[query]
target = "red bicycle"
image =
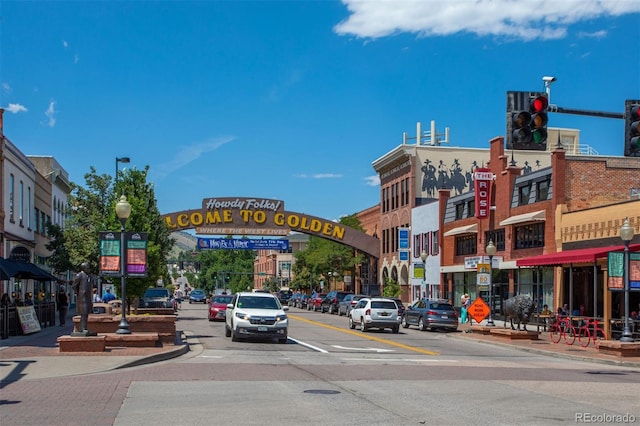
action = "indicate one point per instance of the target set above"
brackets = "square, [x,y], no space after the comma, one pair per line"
[562,329]
[589,332]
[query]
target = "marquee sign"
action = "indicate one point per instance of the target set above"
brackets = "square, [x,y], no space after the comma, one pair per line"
[482,178]
[266,217]
[241,244]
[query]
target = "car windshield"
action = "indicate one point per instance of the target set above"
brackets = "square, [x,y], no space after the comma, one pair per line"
[383,304]
[156,293]
[197,292]
[222,299]
[253,302]
[438,306]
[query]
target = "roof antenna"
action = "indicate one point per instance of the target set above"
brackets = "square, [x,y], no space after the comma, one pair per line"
[559,144]
[513,161]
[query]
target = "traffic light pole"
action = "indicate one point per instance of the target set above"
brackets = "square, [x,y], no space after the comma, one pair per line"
[560,110]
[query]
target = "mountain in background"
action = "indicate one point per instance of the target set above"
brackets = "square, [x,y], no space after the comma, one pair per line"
[184,242]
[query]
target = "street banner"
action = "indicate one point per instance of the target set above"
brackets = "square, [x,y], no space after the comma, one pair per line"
[482,178]
[242,244]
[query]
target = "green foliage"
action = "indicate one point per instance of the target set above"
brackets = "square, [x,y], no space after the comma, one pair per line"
[237,265]
[391,288]
[92,210]
[59,259]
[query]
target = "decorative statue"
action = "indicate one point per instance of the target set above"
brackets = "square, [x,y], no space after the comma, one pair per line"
[83,288]
[519,308]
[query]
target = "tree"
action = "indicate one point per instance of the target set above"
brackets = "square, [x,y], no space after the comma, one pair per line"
[59,259]
[391,288]
[92,210]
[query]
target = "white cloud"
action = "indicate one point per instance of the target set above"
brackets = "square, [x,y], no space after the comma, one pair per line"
[372,180]
[65,44]
[525,20]
[16,108]
[318,176]
[50,113]
[76,58]
[190,153]
[6,87]
[595,34]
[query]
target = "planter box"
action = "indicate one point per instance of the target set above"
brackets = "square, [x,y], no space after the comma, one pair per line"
[163,325]
[618,348]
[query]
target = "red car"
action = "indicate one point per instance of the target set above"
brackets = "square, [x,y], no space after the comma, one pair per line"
[218,307]
[314,302]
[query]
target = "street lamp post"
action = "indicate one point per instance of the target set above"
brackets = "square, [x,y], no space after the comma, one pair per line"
[423,256]
[120,160]
[123,211]
[626,234]
[491,251]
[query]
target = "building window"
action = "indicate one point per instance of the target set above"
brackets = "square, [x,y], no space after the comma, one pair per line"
[542,190]
[523,194]
[407,193]
[459,211]
[435,248]
[471,208]
[497,236]
[42,223]
[29,208]
[466,244]
[397,186]
[12,183]
[529,236]
[36,215]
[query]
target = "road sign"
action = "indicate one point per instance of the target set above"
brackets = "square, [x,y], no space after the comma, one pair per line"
[478,310]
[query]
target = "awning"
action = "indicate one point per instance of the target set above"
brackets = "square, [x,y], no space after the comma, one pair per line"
[10,268]
[588,255]
[469,229]
[526,217]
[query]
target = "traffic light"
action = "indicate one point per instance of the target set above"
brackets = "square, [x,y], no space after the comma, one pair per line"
[527,118]
[631,128]
[182,264]
[227,277]
[214,275]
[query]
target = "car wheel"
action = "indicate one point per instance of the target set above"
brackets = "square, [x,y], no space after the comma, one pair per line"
[405,324]
[352,324]
[234,336]
[421,325]
[331,310]
[227,331]
[189,301]
[339,312]
[363,327]
[282,340]
[396,329]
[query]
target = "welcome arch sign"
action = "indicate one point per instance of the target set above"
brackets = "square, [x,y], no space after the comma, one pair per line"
[265,217]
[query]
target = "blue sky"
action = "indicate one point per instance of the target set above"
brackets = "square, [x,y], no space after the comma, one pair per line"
[294,100]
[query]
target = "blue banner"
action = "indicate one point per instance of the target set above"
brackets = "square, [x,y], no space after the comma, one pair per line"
[241,244]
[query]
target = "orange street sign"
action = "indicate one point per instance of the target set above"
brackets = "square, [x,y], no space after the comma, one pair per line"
[478,310]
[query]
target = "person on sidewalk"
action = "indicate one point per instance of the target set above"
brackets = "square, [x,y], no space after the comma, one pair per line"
[62,300]
[96,296]
[464,308]
[108,296]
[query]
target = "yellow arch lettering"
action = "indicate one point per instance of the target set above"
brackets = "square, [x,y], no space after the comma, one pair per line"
[293,221]
[338,232]
[196,218]
[227,216]
[183,220]
[259,216]
[170,223]
[278,219]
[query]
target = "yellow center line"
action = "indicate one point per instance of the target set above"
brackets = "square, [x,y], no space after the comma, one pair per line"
[366,336]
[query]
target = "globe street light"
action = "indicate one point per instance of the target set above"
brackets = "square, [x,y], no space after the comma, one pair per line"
[490,249]
[123,211]
[423,256]
[626,234]
[120,160]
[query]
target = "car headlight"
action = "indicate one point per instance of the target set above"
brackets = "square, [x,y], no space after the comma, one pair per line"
[243,315]
[281,317]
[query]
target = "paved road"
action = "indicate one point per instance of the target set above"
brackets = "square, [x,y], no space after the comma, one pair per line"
[327,374]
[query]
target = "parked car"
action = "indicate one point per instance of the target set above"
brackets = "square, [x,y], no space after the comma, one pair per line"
[315,301]
[256,315]
[293,300]
[330,301]
[218,307]
[375,313]
[302,302]
[197,296]
[431,314]
[284,296]
[400,304]
[349,301]
[157,297]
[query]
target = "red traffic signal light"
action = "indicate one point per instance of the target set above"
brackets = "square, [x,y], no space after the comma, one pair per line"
[632,128]
[527,120]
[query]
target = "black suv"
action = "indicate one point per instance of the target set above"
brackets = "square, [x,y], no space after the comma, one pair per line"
[331,301]
[158,297]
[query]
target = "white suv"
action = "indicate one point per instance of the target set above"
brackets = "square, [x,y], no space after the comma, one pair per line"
[256,315]
[375,313]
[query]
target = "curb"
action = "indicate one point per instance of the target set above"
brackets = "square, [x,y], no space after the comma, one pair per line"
[551,353]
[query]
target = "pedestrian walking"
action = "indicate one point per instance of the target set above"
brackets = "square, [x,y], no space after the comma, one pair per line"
[62,300]
[464,303]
